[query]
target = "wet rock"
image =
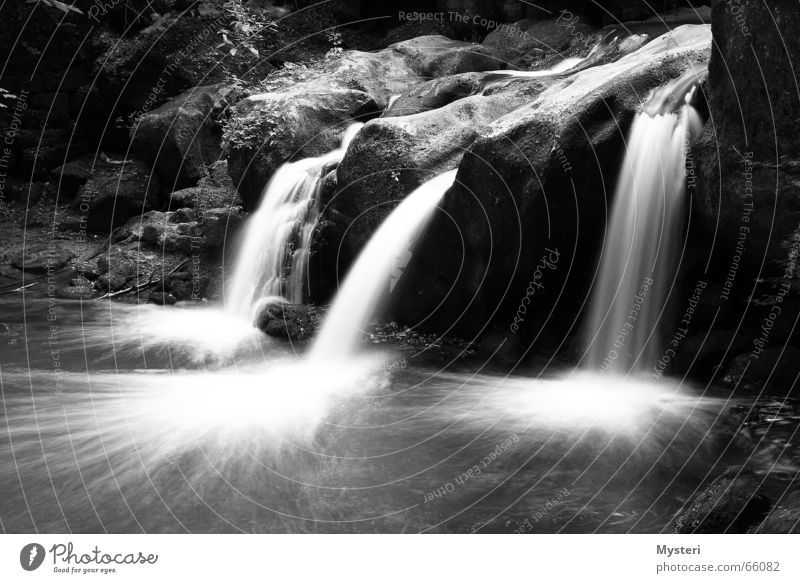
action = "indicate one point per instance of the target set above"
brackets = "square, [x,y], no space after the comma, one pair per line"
[204,197]
[732,503]
[181,285]
[162,299]
[42,258]
[772,370]
[529,180]
[545,36]
[702,354]
[438,56]
[183,136]
[119,268]
[306,117]
[113,195]
[220,225]
[290,321]
[784,518]
[437,93]
[392,156]
[184,215]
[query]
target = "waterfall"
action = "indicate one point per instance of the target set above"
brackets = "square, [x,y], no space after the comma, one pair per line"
[372,276]
[273,259]
[637,266]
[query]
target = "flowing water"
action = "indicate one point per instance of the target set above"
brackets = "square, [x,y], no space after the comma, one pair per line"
[114,437]
[638,263]
[120,418]
[272,261]
[371,278]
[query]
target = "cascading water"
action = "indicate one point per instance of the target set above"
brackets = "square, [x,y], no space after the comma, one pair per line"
[369,279]
[273,258]
[638,261]
[502,78]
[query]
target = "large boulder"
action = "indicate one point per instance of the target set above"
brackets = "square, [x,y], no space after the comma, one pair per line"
[539,37]
[748,158]
[114,194]
[293,322]
[536,183]
[182,137]
[392,156]
[305,112]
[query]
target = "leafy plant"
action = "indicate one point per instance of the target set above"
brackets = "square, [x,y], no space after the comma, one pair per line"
[335,39]
[245,29]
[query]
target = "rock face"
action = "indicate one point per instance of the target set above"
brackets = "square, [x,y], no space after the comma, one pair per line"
[307,116]
[748,166]
[183,136]
[538,38]
[730,504]
[536,183]
[391,156]
[114,194]
[288,321]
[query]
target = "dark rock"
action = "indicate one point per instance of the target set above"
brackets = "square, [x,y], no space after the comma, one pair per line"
[747,162]
[71,176]
[548,36]
[784,518]
[162,299]
[184,215]
[112,196]
[306,117]
[774,370]
[204,197]
[702,354]
[183,136]
[732,503]
[525,184]
[86,270]
[391,156]
[438,56]
[43,258]
[119,268]
[219,226]
[293,322]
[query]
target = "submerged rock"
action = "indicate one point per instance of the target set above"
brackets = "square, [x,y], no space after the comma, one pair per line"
[732,503]
[293,322]
[784,518]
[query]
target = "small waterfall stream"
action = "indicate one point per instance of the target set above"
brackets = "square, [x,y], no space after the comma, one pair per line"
[273,259]
[368,282]
[637,267]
